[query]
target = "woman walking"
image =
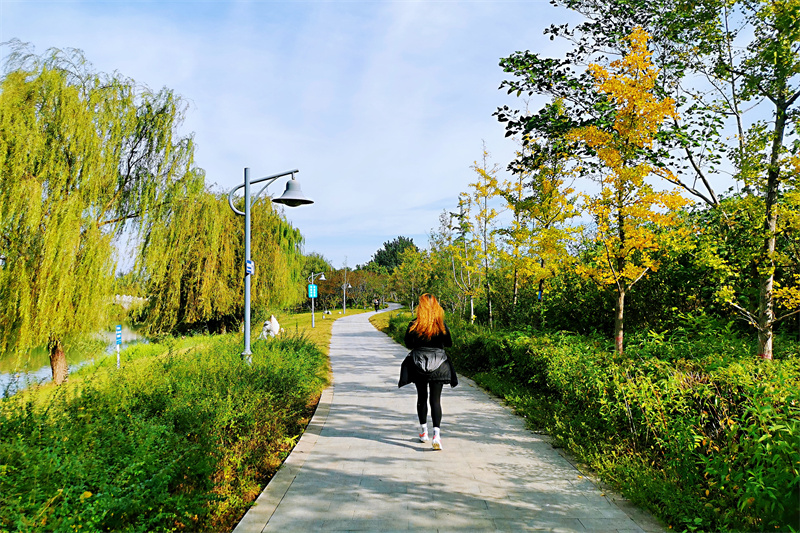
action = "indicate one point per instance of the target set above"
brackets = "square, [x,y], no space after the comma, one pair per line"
[427,366]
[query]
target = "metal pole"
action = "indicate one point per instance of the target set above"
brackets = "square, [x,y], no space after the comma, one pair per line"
[247,353]
[292,201]
[312,306]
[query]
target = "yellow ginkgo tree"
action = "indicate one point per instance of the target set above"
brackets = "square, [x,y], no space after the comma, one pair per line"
[629,213]
[482,191]
[541,203]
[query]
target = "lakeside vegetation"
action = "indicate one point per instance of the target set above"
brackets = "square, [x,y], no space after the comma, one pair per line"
[182,438]
[693,427]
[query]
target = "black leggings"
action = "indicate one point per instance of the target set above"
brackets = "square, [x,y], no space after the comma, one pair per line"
[436,402]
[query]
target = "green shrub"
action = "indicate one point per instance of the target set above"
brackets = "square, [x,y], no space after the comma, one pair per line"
[688,424]
[183,441]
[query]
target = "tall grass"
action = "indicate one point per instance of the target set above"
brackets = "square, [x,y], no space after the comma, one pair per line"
[180,441]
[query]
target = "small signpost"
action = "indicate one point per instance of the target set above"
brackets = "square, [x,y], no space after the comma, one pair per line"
[250,267]
[119,342]
[312,293]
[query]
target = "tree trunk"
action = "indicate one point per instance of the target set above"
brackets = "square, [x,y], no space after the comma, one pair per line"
[516,290]
[766,311]
[58,361]
[765,338]
[471,310]
[766,303]
[541,282]
[621,288]
[618,322]
[489,304]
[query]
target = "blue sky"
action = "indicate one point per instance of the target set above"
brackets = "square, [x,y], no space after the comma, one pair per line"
[382,106]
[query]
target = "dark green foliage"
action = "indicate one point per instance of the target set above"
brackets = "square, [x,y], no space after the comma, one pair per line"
[718,252]
[388,257]
[315,263]
[690,424]
[569,302]
[181,441]
[398,323]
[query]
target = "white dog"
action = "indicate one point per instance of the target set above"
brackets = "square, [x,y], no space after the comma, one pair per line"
[271,328]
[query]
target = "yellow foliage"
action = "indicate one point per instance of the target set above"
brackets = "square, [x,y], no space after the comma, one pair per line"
[628,211]
[788,297]
[537,239]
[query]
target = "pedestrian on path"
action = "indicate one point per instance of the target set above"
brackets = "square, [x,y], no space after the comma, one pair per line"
[427,365]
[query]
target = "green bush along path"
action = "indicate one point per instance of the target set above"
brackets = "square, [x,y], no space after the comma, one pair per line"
[179,439]
[359,466]
[688,424]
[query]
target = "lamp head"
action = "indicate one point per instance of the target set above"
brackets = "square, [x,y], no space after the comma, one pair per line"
[322,277]
[293,195]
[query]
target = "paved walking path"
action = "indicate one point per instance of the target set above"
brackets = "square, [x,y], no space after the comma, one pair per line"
[359,466]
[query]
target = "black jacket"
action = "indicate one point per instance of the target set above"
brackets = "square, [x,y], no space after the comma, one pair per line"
[427,350]
[442,340]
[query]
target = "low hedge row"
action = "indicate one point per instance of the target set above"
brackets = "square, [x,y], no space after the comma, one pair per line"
[708,441]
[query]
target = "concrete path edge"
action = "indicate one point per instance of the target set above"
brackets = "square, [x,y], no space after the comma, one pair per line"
[257,517]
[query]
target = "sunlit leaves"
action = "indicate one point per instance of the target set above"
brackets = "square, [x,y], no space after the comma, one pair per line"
[541,203]
[194,265]
[628,210]
[81,154]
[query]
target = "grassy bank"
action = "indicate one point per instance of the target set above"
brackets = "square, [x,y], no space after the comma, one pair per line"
[690,425]
[183,437]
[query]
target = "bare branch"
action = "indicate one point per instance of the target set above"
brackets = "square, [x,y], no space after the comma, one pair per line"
[611,265]
[631,284]
[787,315]
[747,315]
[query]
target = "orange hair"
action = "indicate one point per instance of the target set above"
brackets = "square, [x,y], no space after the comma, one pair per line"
[430,317]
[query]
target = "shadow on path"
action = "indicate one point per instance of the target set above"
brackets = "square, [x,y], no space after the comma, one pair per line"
[359,466]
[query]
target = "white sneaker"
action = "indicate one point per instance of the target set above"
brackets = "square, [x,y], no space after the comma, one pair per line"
[437,442]
[423,437]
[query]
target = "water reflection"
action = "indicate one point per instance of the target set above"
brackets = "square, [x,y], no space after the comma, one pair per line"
[17,375]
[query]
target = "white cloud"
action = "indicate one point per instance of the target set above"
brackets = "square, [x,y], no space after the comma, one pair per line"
[381,105]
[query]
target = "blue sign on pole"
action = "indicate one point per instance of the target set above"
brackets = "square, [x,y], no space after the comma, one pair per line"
[119,341]
[249,267]
[312,290]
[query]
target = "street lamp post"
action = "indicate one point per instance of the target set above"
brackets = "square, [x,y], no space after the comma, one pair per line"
[345,286]
[292,197]
[310,283]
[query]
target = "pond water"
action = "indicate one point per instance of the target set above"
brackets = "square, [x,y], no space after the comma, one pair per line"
[17,375]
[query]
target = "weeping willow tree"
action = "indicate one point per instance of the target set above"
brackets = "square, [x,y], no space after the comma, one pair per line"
[194,265]
[83,156]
